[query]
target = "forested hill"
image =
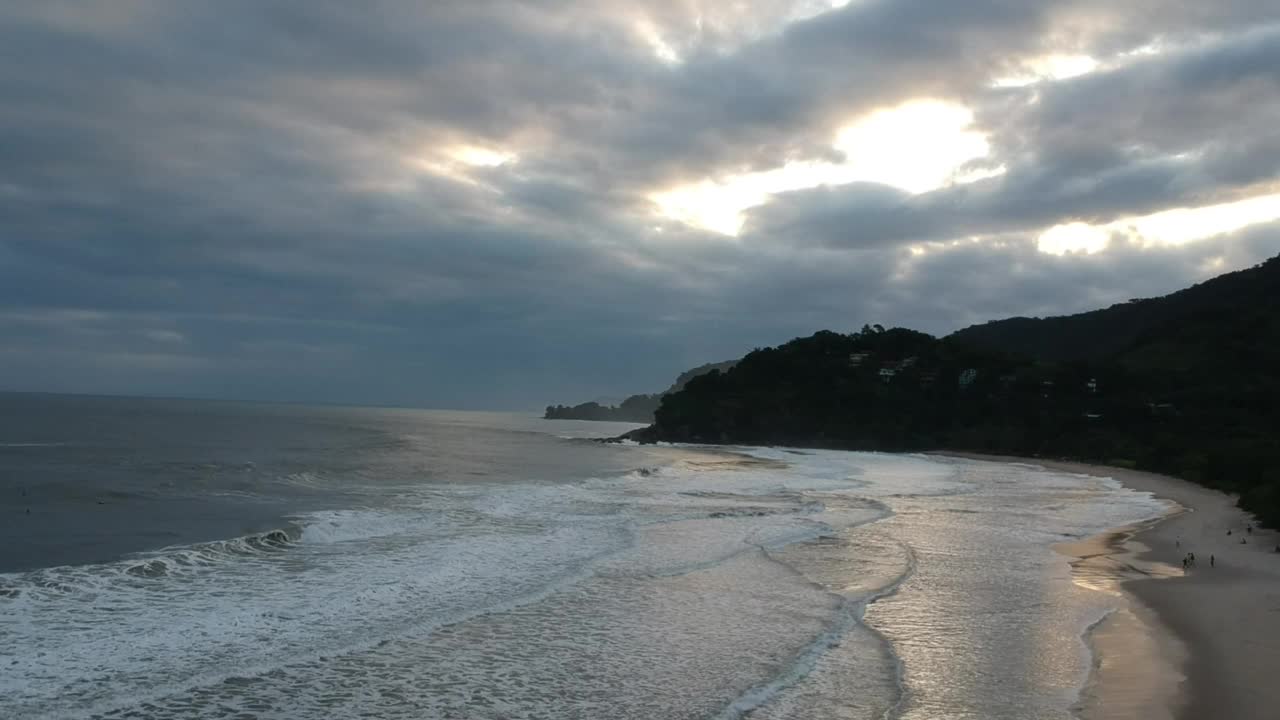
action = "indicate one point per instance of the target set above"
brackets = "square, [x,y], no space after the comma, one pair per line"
[1188,384]
[1220,320]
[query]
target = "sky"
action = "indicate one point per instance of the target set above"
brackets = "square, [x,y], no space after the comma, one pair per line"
[491,204]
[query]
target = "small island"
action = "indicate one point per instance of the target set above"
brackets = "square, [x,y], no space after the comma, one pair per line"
[637,408]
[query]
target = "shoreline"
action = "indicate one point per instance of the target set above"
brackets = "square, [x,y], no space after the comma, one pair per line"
[1207,641]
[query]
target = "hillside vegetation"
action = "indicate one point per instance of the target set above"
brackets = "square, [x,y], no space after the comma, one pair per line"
[1185,384]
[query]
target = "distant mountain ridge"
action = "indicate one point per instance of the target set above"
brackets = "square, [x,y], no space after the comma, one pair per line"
[636,408]
[699,371]
[1186,384]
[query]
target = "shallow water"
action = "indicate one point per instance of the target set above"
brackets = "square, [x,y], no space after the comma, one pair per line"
[480,566]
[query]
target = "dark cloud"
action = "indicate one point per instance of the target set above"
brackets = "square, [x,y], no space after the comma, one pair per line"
[258,198]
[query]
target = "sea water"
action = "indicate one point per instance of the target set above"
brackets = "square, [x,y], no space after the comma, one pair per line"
[184,559]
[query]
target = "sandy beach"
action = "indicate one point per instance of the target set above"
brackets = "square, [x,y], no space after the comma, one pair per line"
[1199,644]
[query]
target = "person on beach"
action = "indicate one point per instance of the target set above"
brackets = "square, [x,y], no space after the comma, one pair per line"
[1211,561]
[1192,558]
[1184,562]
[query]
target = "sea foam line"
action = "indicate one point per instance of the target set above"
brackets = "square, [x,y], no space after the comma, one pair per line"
[1095,662]
[851,613]
[801,667]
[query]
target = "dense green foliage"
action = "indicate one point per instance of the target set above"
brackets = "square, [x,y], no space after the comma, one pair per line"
[1185,384]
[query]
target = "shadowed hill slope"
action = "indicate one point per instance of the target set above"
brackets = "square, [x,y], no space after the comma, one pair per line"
[1187,384]
[1223,320]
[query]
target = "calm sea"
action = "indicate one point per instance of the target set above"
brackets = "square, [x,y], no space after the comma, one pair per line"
[190,559]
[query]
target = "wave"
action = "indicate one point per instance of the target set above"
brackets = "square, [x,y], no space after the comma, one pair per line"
[183,559]
[173,560]
[850,616]
[327,527]
[643,472]
[854,601]
[56,584]
[800,667]
[332,583]
[1088,639]
[313,529]
[364,601]
[305,479]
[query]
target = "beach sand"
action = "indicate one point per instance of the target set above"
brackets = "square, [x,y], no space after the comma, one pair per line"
[1197,645]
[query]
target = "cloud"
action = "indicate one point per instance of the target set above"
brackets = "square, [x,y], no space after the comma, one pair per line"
[278,199]
[1183,128]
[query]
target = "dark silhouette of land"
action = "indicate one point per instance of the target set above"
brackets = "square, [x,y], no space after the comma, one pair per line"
[1187,385]
[637,408]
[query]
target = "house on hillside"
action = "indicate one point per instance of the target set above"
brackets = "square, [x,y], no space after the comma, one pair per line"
[856,359]
[967,377]
[888,371]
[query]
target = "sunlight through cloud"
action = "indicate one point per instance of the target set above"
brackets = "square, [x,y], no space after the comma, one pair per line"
[1169,227]
[916,147]
[481,157]
[1073,238]
[1049,67]
[662,50]
[460,163]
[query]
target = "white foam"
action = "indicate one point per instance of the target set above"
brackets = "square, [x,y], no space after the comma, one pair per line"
[164,629]
[334,526]
[609,572]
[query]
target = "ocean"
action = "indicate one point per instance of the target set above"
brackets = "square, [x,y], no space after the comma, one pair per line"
[195,559]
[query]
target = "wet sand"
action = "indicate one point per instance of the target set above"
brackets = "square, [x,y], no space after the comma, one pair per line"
[1199,645]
